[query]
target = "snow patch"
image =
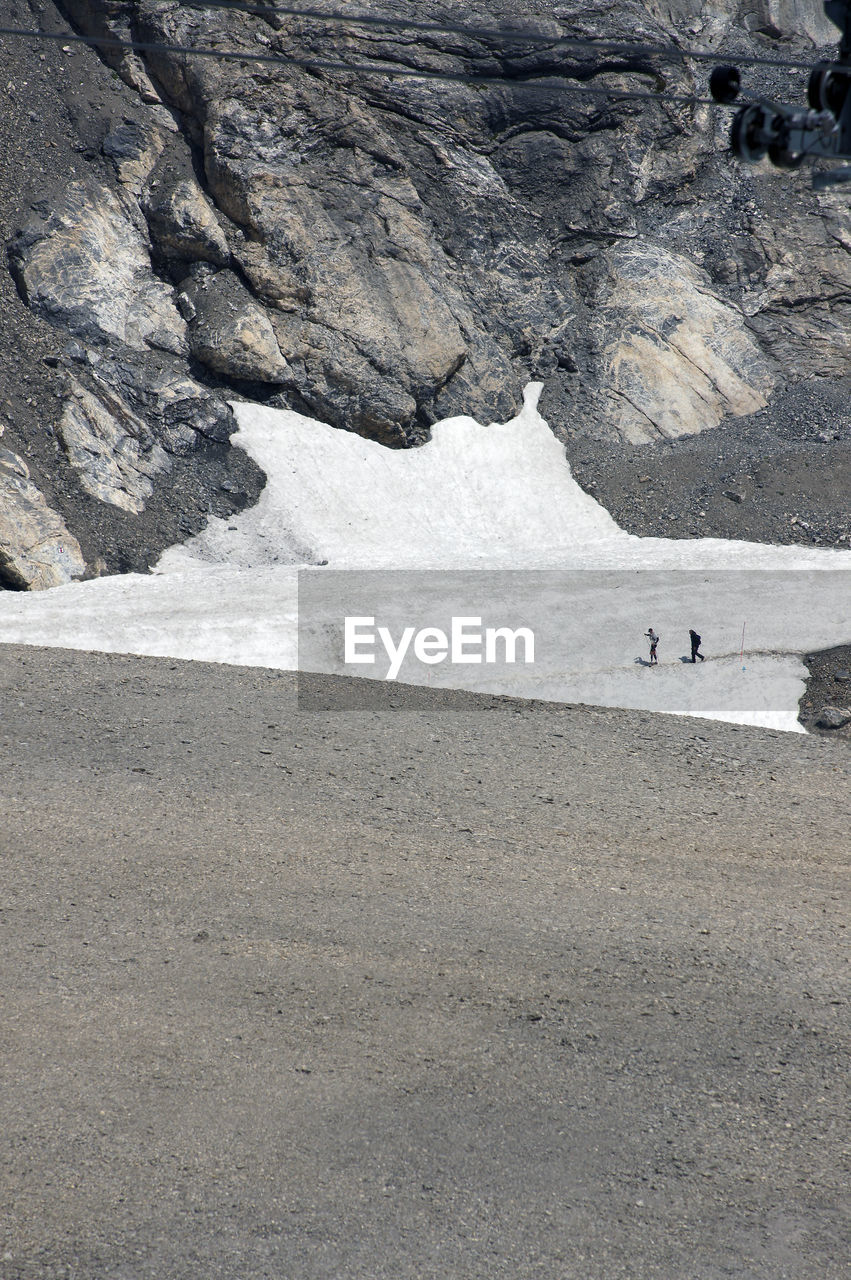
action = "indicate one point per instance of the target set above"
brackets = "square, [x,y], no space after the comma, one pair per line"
[498,497]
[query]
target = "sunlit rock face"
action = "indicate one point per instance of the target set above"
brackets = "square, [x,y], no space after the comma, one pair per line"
[678,358]
[407,248]
[36,549]
[382,250]
[84,264]
[111,448]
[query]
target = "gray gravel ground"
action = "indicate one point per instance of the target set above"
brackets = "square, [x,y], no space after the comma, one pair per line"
[828,685]
[781,476]
[475,989]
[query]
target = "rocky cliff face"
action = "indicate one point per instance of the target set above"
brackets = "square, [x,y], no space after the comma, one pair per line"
[384,249]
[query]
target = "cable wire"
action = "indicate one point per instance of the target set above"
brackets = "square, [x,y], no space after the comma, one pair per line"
[321,64]
[598,43]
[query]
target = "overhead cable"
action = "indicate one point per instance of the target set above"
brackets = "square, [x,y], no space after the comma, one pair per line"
[598,43]
[541,82]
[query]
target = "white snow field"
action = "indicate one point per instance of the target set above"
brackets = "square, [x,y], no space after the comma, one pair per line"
[476,498]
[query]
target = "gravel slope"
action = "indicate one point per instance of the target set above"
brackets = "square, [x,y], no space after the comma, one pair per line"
[475,989]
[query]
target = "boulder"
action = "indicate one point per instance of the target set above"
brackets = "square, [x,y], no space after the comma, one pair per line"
[182,222]
[177,410]
[675,358]
[833,717]
[183,412]
[36,549]
[84,264]
[231,333]
[153,393]
[110,447]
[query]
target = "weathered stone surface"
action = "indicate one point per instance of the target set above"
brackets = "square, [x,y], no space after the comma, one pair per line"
[182,222]
[771,17]
[784,17]
[176,410]
[676,358]
[114,19]
[231,333]
[184,410]
[403,248]
[791,279]
[334,379]
[833,717]
[36,549]
[85,265]
[134,152]
[110,446]
[273,284]
[351,255]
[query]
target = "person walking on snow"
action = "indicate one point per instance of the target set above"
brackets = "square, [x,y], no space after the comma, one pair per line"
[654,640]
[695,646]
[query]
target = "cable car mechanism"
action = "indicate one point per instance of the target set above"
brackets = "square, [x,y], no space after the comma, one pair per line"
[787,134]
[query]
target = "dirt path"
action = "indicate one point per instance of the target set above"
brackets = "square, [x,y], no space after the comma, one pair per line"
[472,989]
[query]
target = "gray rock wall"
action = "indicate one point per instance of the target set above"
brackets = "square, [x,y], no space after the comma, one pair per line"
[407,247]
[384,250]
[36,549]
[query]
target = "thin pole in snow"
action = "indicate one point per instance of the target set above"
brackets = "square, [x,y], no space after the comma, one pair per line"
[742,654]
